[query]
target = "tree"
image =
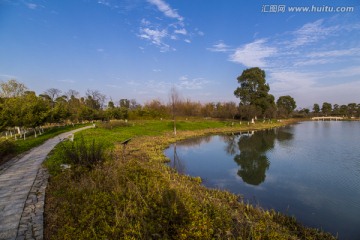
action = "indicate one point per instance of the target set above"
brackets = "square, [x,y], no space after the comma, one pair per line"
[253,90]
[352,109]
[316,108]
[53,93]
[72,93]
[326,108]
[174,102]
[95,99]
[286,104]
[26,110]
[12,88]
[125,103]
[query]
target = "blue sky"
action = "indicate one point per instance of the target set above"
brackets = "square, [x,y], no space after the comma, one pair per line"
[141,48]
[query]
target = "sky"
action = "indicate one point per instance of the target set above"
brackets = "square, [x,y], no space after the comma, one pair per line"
[140,49]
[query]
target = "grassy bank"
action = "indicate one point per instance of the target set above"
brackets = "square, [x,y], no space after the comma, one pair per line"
[136,196]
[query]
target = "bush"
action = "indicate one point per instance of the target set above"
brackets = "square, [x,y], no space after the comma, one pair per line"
[83,154]
[7,147]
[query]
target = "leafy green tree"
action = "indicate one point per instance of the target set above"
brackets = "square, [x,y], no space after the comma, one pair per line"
[343,110]
[326,108]
[352,109]
[253,90]
[336,110]
[125,103]
[286,104]
[26,110]
[316,108]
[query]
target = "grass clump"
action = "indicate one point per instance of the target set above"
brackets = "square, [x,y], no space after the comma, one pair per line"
[84,154]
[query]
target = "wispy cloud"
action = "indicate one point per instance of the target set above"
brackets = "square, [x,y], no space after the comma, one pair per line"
[336,53]
[191,84]
[32,6]
[154,35]
[166,9]
[219,47]
[312,32]
[181,31]
[253,54]
[163,31]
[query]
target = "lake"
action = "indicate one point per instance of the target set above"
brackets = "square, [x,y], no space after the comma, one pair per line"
[310,170]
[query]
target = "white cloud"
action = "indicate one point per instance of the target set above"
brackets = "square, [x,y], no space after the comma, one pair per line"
[32,6]
[191,84]
[312,32]
[158,31]
[309,62]
[253,54]
[145,22]
[154,35]
[337,53]
[181,31]
[166,9]
[219,47]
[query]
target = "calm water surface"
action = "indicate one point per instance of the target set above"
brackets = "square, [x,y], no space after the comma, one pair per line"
[310,170]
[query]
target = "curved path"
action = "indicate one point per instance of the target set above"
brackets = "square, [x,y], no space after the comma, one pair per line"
[22,192]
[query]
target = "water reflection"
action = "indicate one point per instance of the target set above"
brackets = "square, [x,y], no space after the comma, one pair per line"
[252,148]
[294,169]
[176,162]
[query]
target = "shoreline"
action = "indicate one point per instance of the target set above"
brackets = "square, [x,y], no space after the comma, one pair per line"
[147,198]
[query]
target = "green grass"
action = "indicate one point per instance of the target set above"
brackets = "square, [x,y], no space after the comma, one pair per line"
[20,146]
[137,196]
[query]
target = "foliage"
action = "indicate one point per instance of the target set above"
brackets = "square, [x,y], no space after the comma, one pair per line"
[136,196]
[254,91]
[316,108]
[326,108]
[286,104]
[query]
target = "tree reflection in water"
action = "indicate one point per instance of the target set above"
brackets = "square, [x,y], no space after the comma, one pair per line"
[176,162]
[253,147]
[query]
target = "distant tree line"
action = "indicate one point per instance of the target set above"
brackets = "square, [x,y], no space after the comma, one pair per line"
[327,109]
[21,107]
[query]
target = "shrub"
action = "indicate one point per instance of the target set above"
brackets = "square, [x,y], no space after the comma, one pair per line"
[84,154]
[7,147]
